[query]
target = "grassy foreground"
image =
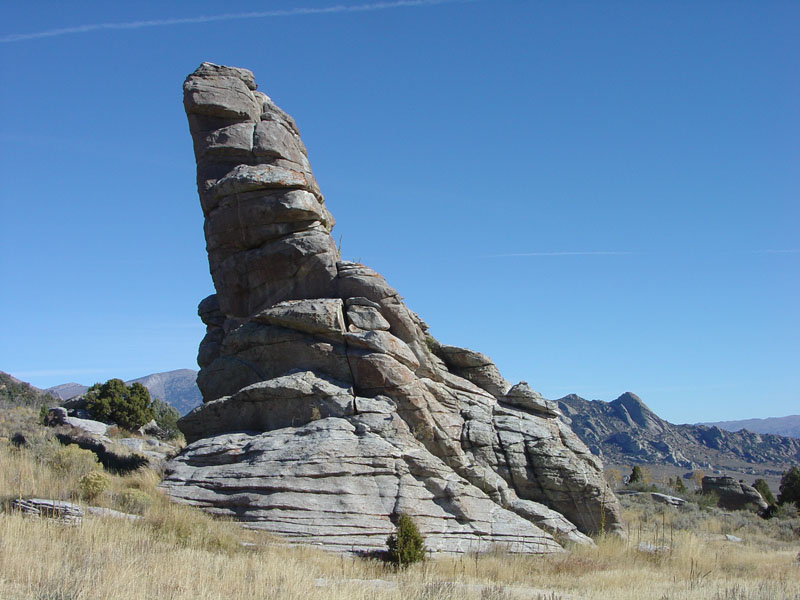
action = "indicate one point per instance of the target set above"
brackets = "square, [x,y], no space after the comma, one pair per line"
[175,553]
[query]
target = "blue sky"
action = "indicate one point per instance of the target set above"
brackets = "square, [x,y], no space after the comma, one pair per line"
[601,196]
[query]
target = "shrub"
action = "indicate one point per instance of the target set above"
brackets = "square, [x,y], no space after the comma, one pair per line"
[790,487]
[764,490]
[72,460]
[134,501]
[93,484]
[639,475]
[166,418]
[191,528]
[117,462]
[613,477]
[128,406]
[706,499]
[406,546]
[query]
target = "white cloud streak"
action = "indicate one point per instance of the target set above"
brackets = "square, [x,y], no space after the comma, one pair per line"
[290,12]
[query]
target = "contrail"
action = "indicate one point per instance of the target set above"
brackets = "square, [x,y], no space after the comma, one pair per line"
[590,253]
[290,12]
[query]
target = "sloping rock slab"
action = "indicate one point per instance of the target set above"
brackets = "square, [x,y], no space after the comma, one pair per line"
[337,485]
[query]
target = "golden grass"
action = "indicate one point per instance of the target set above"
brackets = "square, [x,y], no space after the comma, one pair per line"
[177,553]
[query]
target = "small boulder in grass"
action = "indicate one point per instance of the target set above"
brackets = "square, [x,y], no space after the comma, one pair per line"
[64,512]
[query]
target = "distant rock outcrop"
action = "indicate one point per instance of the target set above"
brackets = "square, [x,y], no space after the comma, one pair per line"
[627,431]
[328,408]
[733,495]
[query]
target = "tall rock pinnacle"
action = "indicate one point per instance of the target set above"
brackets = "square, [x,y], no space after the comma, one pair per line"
[267,230]
[328,409]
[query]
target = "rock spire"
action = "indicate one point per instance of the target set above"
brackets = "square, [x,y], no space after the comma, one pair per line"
[328,408]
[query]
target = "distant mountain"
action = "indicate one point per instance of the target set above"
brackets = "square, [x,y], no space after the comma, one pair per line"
[626,431]
[65,391]
[788,426]
[16,392]
[176,388]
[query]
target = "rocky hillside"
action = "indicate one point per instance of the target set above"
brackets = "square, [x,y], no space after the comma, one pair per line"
[177,388]
[16,392]
[785,426]
[328,408]
[65,391]
[626,431]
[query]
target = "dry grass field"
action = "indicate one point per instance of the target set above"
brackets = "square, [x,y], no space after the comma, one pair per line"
[175,553]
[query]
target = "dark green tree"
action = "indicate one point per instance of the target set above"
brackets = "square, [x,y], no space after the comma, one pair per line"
[764,490]
[127,406]
[406,546]
[790,487]
[166,417]
[637,475]
[679,485]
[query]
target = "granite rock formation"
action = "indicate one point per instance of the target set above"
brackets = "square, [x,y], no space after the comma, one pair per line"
[328,408]
[733,495]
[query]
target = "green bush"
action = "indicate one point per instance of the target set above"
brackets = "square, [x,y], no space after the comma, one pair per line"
[706,499]
[166,417]
[764,490]
[72,460]
[134,501]
[406,546]
[790,487]
[127,406]
[638,475]
[93,484]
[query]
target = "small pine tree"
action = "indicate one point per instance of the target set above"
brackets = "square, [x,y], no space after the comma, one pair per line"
[764,490]
[406,546]
[128,406]
[166,417]
[43,414]
[679,485]
[637,475]
[790,487]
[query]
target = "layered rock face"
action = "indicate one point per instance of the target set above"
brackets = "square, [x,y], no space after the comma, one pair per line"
[328,409]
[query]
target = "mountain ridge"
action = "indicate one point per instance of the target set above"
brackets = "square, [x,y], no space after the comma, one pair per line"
[626,431]
[178,388]
[788,426]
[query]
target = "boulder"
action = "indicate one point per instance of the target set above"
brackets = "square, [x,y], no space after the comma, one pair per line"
[733,495]
[666,499]
[58,416]
[64,512]
[328,408]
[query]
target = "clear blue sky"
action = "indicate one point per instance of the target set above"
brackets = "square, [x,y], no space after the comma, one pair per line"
[600,196]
